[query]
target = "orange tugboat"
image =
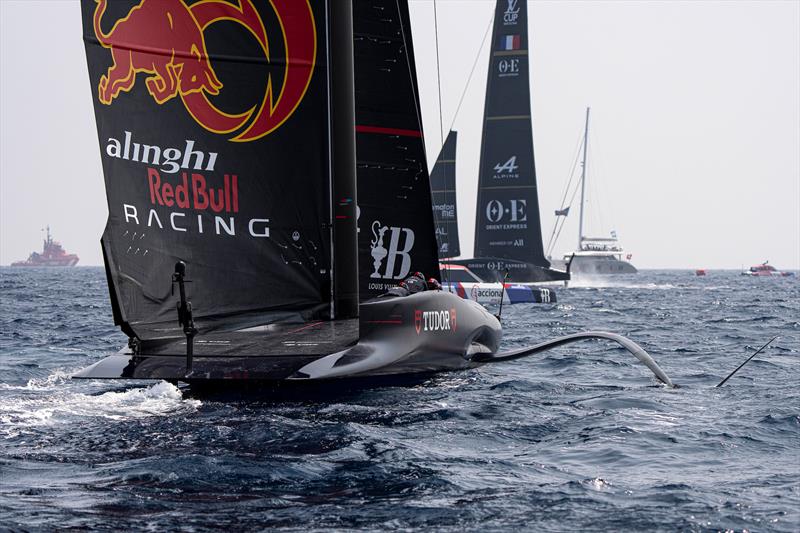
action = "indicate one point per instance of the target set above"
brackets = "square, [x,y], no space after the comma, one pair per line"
[52,255]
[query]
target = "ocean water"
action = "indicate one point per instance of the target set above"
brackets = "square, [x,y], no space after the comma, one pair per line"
[578,438]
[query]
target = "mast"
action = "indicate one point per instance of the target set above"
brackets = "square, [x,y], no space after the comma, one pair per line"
[583,178]
[344,251]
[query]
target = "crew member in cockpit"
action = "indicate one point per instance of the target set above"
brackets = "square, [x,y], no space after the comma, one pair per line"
[413,284]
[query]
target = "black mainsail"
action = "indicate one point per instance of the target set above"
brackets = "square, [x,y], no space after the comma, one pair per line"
[233,159]
[396,229]
[443,190]
[196,104]
[508,233]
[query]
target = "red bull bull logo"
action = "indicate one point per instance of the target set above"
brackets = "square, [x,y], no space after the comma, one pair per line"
[164,39]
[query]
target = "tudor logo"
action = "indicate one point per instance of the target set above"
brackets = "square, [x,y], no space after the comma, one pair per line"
[509,167]
[511,14]
[508,67]
[514,211]
[435,320]
[401,241]
[185,68]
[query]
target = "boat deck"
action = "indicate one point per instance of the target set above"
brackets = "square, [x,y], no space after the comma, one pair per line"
[281,339]
[271,352]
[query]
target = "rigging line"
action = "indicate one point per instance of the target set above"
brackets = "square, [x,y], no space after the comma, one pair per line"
[471,72]
[578,146]
[438,73]
[413,77]
[564,221]
[553,237]
[572,198]
[446,275]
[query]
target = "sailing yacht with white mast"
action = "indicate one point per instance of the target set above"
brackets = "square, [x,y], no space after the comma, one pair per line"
[595,255]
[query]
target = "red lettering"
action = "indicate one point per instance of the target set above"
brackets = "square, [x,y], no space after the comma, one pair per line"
[235,193]
[155,183]
[218,203]
[168,193]
[227,188]
[182,193]
[199,189]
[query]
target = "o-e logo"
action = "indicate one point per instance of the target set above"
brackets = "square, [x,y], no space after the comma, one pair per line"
[508,67]
[516,210]
[165,39]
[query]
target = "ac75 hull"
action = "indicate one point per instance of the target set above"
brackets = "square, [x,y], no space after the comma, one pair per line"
[427,332]
[512,293]
[493,269]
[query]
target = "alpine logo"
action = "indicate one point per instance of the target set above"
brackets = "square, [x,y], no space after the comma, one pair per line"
[401,242]
[507,170]
[435,320]
[511,14]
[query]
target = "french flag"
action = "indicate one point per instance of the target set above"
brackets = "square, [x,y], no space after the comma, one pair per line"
[509,42]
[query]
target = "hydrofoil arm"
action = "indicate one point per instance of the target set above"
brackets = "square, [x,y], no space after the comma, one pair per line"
[626,343]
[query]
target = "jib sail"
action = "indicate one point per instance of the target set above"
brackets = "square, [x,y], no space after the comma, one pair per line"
[507,214]
[214,125]
[443,189]
[396,230]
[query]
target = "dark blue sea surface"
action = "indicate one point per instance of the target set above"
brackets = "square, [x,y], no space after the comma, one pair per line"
[578,438]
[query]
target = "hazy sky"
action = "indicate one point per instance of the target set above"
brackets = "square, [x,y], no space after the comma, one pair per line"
[694,146]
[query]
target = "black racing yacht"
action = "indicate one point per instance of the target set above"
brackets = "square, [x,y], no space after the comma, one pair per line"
[267,184]
[508,233]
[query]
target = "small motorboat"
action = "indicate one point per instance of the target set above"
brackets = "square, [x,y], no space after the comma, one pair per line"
[765,270]
[700,272]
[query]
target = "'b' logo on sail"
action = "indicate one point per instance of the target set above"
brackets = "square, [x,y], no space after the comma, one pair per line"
[401,241]
[166,40]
